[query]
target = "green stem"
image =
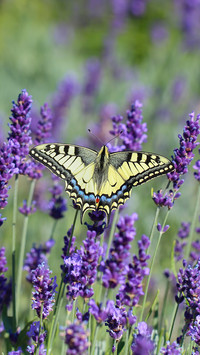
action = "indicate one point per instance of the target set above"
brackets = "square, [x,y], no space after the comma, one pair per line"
[93,341]
[22,248]
[112,230]
[173,320]
[53,228]
[153,227]
[15,320]
[151,266]
[164,305]
[192,228]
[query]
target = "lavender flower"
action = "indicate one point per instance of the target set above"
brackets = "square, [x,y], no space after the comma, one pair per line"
[115,268]
[116,320]
[42,135]
[61,100]
[183,233]
[131,290]
[188,15]
[2,219]
[65,250]
[19,135]
[80,269]
[5,288]
[91,82]
[142,343]
[27,210]
[133,131]
[184,155]
[15,352]
[57,204]
[194,330]
[43,296]
[76,339]
[171,349]
[188,286]
[195,254]
[99,313]
[38,336]
[37,256]
[181,159]
[7,170]
[99,224]
[196,167]
[165,200]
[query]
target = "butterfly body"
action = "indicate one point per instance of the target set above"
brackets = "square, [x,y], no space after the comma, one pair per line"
[100,180]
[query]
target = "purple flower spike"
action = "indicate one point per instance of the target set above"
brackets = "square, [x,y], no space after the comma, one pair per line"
[61,100]
[194,330]
[57,204]
[42,135]
[43,296]
[26,210]
[184,155]
[7,170]
[44,126]
[116,320]
[188,286]
[99,225]
[197,168]
[76,337]
[130,292]
[132,132]
[19,135]
[15,352]
[171,349]
[5,288]
[80,268]
[166,200]
[115,268]
[2,219]
[38,336]
[142,343]
[37,256]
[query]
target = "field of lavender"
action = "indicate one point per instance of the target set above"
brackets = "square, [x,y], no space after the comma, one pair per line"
[127,70]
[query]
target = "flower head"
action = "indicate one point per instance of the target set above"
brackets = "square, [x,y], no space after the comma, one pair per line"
[36,334]
[19,135]
[184,154]
[142,343]
[27,210]
[57,204]
[7,170]
[76,337]
[132,133]
[196,167]
[45,288]
[36,256]
[116,320]
[5,288]
[115,267]
[80,268]
[131,290]
[61,100]
[42,135]
[171,349]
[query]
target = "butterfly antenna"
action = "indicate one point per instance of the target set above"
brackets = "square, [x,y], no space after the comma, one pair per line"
[117,135]
[94,135]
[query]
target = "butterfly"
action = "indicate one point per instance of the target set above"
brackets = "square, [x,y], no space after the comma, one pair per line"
[100,180]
